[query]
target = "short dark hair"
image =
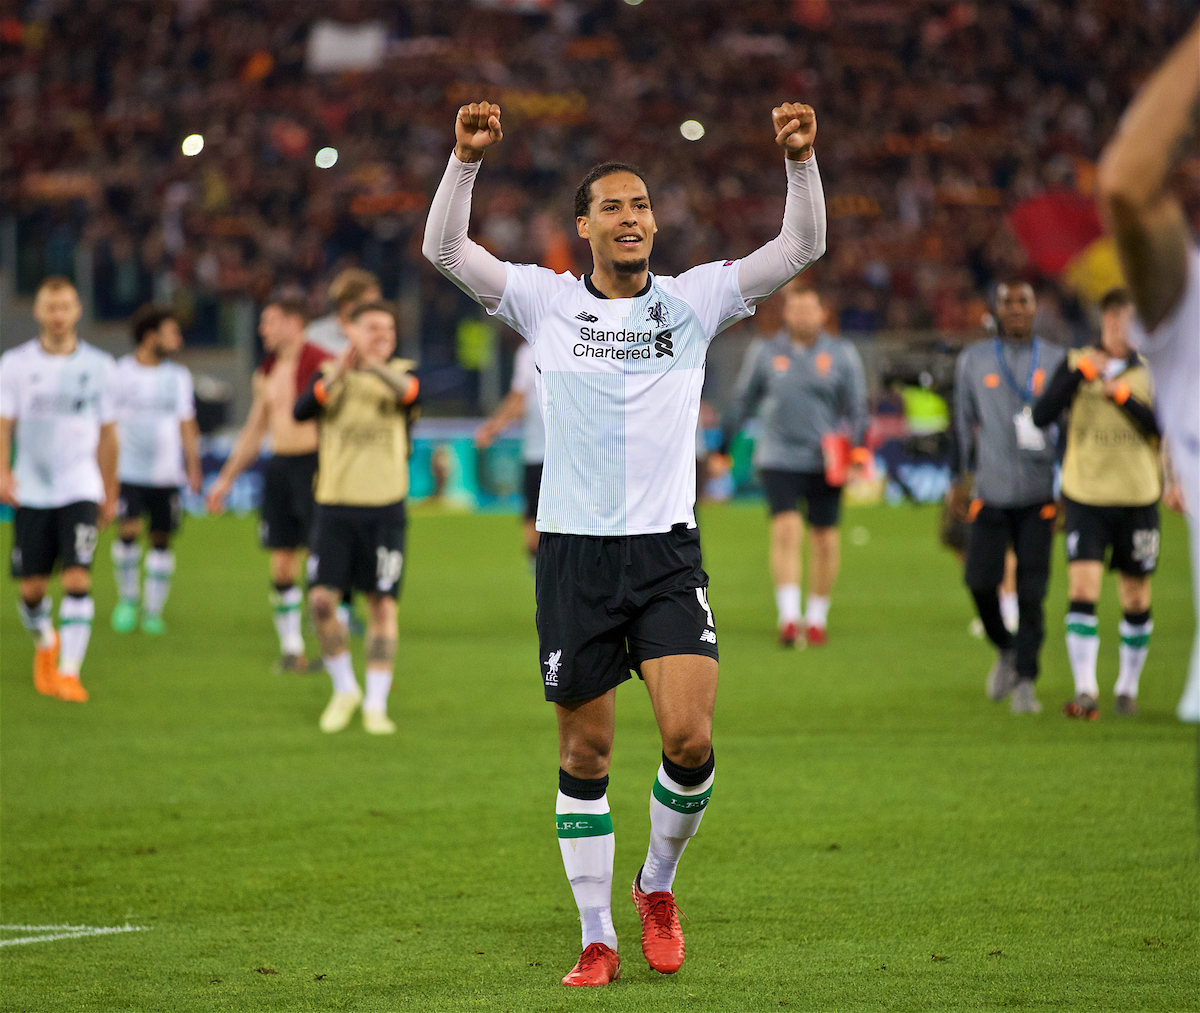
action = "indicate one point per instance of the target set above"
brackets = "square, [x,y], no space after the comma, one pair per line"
[149,319]
[1116,298]
[376,306]
[583,193]
[293,308]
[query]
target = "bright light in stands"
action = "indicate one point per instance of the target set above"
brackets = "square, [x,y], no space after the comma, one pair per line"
[633,3]
[193,144]
[327,158]
[693,130]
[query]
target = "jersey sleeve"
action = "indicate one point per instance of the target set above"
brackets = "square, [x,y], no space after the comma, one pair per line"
[524,375]
[10,384]
[528,292]
[107,405]
[714,292]
[187,395]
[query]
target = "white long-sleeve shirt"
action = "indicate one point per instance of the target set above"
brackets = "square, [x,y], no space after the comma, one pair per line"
[619,380]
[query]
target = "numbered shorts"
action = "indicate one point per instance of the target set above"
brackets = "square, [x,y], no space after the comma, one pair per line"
[605,605]
[358,548]
[532,486]
[65,535]
[785,489]
[287,506]
[1132,532]
[160,502]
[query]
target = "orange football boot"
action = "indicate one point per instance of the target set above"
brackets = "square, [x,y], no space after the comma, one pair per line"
[662,935]
[597,965]
[70,688]
[45,668]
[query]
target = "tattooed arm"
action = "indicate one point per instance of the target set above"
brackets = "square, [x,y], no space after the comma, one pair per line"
[1157,131]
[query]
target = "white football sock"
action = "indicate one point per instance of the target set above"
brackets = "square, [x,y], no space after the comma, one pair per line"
[675,813]
[1010,611]
[341,671]
[1083,648]
[1135,645]
[379,685]
[160,565]
[587,843]
[286,606]
[787,602]
[125,557]
[75,615]
[37,620]
[817,612]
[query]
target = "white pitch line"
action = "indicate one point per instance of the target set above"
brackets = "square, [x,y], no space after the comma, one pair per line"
[64,932]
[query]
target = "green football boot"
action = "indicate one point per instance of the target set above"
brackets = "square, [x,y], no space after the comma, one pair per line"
[153,625]
[125,616]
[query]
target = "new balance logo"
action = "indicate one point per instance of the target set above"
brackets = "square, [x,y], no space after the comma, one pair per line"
[709,637]
[553,663]
[586,317]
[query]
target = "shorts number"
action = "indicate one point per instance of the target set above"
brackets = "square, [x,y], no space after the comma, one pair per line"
[387,567]
[85,543]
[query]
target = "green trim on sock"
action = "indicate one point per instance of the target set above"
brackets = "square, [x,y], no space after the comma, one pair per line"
[681,803]
[1135,639]
[1083,630]
[74,622]
[583,824]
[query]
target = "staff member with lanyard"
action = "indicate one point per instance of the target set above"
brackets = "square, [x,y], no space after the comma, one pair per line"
[996,384]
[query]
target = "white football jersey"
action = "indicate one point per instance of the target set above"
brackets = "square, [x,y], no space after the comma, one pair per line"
[59,403]
[151,402]
[619,382]
[524,382]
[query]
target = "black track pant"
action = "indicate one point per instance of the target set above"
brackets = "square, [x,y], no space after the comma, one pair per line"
[1030,531]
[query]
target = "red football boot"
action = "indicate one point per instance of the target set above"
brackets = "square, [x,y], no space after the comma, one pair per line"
[662,935]
[791,635]
[597,965]
[816,636]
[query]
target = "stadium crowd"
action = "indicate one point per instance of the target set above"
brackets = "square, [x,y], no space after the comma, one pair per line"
[940,116]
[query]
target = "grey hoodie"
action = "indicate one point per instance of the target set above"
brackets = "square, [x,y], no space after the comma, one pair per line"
[804,392]
[985,406]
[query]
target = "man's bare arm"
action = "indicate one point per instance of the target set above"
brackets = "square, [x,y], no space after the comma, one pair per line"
[189,433]
[1156,132]
[107,454]
[507,412]
[245,452]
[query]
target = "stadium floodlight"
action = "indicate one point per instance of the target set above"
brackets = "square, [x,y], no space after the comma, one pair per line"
[193,144]
[693,130]
[327,158]
[633,3]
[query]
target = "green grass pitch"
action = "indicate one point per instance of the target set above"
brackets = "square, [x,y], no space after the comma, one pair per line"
[880,838]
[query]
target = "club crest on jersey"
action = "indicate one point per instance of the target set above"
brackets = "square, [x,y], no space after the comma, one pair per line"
[658,314]
[586,317]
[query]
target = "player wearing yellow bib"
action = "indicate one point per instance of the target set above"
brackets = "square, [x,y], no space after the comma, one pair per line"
[1111,481]
[363,403]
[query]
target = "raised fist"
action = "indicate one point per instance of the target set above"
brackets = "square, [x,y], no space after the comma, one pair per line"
[795,129]
[476,128]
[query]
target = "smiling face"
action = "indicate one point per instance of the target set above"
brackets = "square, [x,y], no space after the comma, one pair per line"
[619,224]
[373,335]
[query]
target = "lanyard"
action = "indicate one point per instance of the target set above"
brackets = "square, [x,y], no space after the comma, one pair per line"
[1026,395]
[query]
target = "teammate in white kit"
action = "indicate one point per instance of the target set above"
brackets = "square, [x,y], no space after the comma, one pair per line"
[521,403]
[55,397]
[1162,266]
[619,356]
[160,451]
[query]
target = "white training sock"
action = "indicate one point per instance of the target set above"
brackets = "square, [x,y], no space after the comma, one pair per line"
[675,813]
[125,557]
[379,685]
[75,615]
[286,605]
[1135,645]
[587,843]
[817,612]
[341,671]
[1083,648]
[1010,610]
[160,565]
[787,603]
[37,620]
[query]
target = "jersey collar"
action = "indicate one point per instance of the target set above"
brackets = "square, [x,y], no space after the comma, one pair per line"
[587,281]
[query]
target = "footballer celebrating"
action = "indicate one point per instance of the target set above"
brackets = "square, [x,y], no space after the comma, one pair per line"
[619,356]
[363,404]
[160,451]
[287,508]
[56,397]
